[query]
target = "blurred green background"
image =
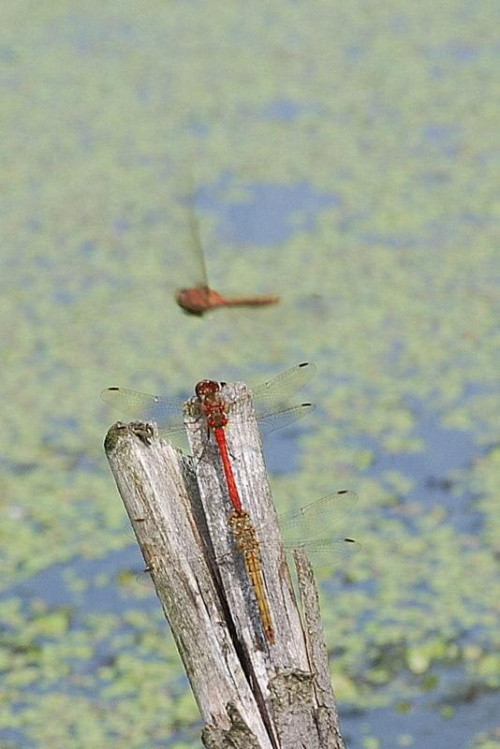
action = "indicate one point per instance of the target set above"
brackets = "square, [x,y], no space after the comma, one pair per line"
[343,155]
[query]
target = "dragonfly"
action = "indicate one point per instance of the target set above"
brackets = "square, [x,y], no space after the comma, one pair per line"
[201,298]
[270,401]
[300,529]
[211,405]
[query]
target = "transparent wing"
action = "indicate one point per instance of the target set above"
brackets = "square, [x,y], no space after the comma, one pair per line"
[270,422]
[274,394]
[311,528]
[270,401]
[315,519]
[328,551]
[197,251]
[167,412]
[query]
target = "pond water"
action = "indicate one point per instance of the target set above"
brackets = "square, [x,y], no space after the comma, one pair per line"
[342,156]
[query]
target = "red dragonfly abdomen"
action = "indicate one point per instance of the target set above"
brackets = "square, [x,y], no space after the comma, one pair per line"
[232,489]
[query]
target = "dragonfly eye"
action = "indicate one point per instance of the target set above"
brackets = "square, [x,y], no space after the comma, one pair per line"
[206,387]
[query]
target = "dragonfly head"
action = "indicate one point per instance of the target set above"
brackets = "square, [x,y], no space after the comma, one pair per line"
[207,387]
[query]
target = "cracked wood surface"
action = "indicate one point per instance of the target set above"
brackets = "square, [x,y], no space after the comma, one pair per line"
[250,693]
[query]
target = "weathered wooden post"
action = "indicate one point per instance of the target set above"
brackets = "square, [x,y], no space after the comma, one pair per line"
[251,692]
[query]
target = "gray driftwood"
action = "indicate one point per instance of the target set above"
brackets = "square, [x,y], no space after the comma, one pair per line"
[250,693]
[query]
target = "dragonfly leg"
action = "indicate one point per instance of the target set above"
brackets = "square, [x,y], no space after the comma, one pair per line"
[143,431]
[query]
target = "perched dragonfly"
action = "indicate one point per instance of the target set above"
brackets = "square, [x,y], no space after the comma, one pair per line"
[201,298]
[269,399]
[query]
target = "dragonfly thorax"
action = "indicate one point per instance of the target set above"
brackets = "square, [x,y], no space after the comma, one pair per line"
[211,403]
[198,300]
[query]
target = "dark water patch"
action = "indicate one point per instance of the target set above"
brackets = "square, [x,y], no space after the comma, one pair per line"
[441,133]
[432,469]
[65,460]
[435,177]
[63,297]
[355,52]
[282,451]
[430,721]
[88,36]
[11,738]
[455,52]
[17,468]
[88,248]
[198,127]
[122,224]
[270,213]
[55,590]
[284,110]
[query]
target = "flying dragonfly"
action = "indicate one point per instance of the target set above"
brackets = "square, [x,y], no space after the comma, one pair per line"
[201,298]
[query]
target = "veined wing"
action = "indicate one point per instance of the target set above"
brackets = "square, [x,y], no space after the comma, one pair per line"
[315,518]
[327,551]
[309,528]
[270,402]
[275,394]
[196,248]
[269,422]
[166,412]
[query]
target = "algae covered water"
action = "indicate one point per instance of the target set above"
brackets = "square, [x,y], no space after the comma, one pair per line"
[343,157]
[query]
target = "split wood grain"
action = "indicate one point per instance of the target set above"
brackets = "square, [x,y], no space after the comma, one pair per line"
[250,693]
